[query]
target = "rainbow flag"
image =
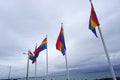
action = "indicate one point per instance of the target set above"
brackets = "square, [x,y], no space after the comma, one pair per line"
[34,60]
[60,44]
[31,55]
[43,45]
[93,22]
[40,48]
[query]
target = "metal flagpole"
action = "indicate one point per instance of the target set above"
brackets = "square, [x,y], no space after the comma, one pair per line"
[9,72]
[68,77]
[35,63]
[27,74]
[107,55]
[47,61]
[35,68]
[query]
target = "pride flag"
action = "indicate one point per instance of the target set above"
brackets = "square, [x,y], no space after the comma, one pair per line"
[60,44]
[31,55]
[40,48]
[93,21]
[43,45]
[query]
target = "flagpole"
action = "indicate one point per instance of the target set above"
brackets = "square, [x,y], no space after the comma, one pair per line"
[27,74]
[35,63]
[47,60]
[35,68]
[68,77]
[9,72]
[107,55]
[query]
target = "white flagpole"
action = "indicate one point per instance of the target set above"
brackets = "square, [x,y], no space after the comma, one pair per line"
[27,74]
[68,77]
[47,61]
[107,55]
[9,72]
[35,63]
[35,68]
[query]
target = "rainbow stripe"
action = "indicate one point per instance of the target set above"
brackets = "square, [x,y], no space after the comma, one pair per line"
[40,48]
[31,56]
[60,44]
[43,45]
[93,22]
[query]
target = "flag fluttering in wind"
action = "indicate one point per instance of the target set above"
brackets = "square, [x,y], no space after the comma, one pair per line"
[60,44]
[31,55]
[93,22]
[40,48]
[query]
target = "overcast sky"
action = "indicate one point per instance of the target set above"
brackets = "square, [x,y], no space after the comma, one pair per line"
[25,23]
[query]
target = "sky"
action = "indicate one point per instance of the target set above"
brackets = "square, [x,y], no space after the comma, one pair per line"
[25,23]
